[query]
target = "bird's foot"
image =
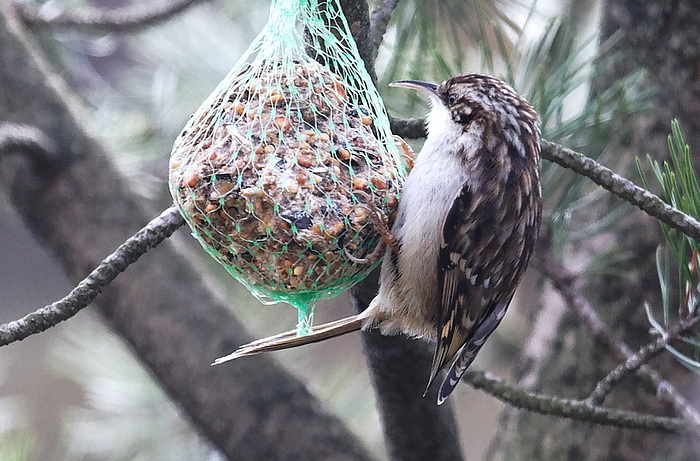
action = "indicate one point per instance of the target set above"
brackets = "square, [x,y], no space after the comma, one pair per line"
[381,224]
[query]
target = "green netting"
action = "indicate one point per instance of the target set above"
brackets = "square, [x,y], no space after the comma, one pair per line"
[267,171]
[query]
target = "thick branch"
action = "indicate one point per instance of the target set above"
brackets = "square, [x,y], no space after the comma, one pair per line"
[87,290]
[379,21]
[162,307]
[112,21]
[579,410]
[415,427]
[28,140]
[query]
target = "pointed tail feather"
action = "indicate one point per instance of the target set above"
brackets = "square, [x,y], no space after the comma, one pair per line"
[290,339]
[454,374]
[467,353]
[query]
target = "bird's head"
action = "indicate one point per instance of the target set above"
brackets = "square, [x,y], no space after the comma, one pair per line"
[475,101]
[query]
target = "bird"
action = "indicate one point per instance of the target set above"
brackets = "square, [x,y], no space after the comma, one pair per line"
[466,226]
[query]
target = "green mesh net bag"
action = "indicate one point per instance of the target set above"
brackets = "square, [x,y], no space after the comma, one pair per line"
[271,169]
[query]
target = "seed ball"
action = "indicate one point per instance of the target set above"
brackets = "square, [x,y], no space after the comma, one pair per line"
[266,173]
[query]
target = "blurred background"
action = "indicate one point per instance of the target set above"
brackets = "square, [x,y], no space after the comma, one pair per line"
[77,392]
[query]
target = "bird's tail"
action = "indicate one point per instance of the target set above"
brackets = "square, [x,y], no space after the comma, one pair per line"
[290,339]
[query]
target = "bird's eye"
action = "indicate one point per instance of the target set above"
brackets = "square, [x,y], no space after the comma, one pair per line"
[451,98]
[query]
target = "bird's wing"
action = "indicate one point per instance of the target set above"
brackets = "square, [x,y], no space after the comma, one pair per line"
[474,297]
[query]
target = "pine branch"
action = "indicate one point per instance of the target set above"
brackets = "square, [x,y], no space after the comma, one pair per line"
[624,188]
[565,282]
[87,290]
[579,410]
[635,361]
[122,20]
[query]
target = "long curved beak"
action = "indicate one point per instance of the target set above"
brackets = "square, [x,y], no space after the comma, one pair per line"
[425,87]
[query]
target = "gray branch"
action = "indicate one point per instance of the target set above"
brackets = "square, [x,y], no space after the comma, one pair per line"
[87,290]
[29,140]
[639,358]
[123,20]
[579,410]
[623,188]
[599,174]
[409,128]
[565,282]
[379,21]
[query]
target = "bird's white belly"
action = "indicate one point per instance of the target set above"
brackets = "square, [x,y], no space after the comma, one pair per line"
[411,303]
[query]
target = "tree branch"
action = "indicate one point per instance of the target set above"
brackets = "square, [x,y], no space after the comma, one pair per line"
[121,20]
[414,427]
[639,358]
[565,282]
[408,128]
[87,290]
[28,140]
[379,20]
[599,174]
[623,188]
[579,410]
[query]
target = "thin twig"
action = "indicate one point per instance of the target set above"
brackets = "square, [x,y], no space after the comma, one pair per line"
[599,174]
[82,295]
[639,358]
[121,20]
[379,20]
[565,282]
[579,410]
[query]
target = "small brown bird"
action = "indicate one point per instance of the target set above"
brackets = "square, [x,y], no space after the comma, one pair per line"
[467,222]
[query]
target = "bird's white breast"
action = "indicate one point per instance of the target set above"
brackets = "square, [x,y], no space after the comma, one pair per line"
[433,183]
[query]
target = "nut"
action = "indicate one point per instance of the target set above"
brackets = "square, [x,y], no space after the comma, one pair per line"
[265,175]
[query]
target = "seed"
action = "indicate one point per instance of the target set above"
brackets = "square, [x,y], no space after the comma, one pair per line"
[340,90]
[305,160]
[343,154]
[209,208]
[192,178]
[221,189]
[283,123]
[359,183]
[298,270]
[366,120]
[291,186]
[378,182]
[275,97]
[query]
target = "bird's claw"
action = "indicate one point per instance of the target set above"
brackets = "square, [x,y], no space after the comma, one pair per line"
[381,224]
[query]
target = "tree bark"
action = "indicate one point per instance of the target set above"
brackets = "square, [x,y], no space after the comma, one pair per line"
[664,40]
[415,427]
[82,209]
